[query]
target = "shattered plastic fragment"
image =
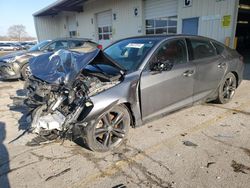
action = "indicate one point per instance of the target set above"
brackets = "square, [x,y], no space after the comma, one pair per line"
[188,143]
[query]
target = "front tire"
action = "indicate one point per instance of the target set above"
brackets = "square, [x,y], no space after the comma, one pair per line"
[110,130]
[25,72]
[227,89]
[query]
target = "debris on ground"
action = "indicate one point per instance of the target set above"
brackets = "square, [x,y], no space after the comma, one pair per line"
[120,186]
[183,134]
[202,115]
[242,124]
[209,164]
[225,125]
[38,140]
[57,175]
[223,136]
[238,167]
[247,151]
[188,143]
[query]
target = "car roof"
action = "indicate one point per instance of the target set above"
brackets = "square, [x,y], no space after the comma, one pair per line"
[165,36]
[69,38]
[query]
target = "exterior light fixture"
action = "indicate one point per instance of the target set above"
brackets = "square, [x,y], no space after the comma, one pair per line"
[245,7]
[242,22]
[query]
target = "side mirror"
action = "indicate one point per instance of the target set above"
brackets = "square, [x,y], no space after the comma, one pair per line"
[161,66]
[49,49]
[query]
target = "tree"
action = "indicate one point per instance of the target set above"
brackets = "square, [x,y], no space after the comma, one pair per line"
[17,32]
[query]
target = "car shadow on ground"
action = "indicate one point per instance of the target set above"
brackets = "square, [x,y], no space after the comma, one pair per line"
[9,80]
[4,159]
[18,106]
[81,142]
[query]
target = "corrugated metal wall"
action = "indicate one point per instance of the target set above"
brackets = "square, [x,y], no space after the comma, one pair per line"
[51,27]
[126,24]
[210,13]
[46,27]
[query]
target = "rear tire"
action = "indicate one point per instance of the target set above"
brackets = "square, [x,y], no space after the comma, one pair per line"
[25,72]
[110,130]
[227,89]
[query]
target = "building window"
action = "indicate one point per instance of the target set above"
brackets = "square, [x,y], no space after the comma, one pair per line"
[72,33]
[105,33]
[164,25]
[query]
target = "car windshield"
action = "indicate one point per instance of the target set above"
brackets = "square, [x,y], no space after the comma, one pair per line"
[129,53]
[38,46]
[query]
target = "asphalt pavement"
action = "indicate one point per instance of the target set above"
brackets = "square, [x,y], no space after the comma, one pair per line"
[202,146]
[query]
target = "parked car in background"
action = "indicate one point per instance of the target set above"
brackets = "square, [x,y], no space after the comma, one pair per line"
[13,66]
[97,96]
[23,45]
[29,45]
[18,47]
[8,47]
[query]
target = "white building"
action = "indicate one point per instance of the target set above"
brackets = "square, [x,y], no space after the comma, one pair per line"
[106,21]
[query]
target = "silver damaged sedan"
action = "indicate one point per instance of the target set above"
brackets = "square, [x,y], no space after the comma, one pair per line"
[96,96]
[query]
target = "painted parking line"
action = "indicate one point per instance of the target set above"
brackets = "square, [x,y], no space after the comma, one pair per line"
[169,142]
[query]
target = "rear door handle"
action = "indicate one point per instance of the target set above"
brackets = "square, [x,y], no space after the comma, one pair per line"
[221,65]
[188,73]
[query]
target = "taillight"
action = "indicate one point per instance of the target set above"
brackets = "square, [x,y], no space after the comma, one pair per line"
[99,47]
[241,59]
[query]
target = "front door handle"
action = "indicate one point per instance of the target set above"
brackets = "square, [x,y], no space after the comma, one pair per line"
[221,65]
[188,73]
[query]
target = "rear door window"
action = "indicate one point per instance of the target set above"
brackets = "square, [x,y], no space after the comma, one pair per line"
[201,49]
[219,48]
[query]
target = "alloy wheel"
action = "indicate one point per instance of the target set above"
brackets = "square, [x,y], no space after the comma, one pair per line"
[229,88]
[110,130]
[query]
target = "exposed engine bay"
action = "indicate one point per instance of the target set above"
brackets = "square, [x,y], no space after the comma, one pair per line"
[61,107]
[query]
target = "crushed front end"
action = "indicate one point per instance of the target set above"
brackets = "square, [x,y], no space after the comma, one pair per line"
[60,106]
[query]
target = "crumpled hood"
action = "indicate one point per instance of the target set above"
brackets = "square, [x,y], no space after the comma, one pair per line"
[60,67]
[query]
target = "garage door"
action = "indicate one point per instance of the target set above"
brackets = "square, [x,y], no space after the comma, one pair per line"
[72,25]
[161,16]
[104,25]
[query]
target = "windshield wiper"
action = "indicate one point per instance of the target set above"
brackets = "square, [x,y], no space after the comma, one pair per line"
[103,72]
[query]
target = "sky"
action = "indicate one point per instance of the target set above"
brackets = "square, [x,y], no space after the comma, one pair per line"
[14,12]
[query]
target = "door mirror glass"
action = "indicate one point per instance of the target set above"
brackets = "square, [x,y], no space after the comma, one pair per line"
[50,49]
[161,66]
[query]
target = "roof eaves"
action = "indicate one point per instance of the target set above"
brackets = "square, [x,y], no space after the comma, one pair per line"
[49,7]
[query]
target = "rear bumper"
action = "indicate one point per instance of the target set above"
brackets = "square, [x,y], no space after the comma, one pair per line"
[241,67]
